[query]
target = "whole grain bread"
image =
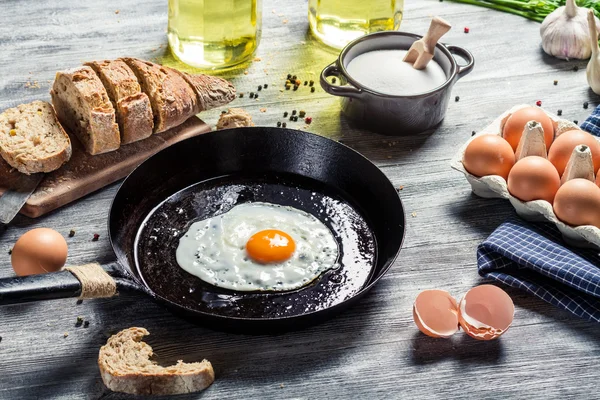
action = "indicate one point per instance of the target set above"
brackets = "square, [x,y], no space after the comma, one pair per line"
[212,91]
[83,106]
[173,99]
[125,366]
[134,111]
[32,140]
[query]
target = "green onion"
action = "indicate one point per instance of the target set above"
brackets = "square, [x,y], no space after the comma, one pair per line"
[535,10]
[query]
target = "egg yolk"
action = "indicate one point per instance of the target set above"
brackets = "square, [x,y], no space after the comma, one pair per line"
[270,246]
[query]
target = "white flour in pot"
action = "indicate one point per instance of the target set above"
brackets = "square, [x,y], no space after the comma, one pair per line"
[384,71]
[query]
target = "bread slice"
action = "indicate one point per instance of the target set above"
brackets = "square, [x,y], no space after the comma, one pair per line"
[83,107]
[173,99]
[234,118]
[32,140]
[125,367]
[212,91]
[134,112]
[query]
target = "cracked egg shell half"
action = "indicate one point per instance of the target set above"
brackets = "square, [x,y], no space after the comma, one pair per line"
[484,313]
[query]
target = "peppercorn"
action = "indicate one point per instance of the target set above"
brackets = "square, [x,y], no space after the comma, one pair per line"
[295,87]
[473,133]
[298,82]
[289,76]
[9,252]
[302,113]
[251,94]
[78,302]
[333,80]
[287,87]
[311,83]
[86,324]
[241,95]
[291,117]
[293,112]
[294,77]
[71,233]
[308,120]
[466,29]
[259,88]
[265,86]
[538,103]
[223,112]
[278,124]
[586,105]
[96,237]
[312,89]
[559,113]
[288,82]
[256,95]
[576,122]
[305,83]
[555,82]
[457,98]
[79,321]
[285,114]
[296,118]
[576,68]
[284,125]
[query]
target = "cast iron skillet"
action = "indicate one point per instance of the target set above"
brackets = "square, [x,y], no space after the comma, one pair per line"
[209,174]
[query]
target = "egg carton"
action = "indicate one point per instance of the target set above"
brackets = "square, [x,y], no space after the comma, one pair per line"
[494,186]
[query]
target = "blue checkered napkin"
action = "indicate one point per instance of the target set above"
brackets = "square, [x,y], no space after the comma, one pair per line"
[535,258]
[592,123]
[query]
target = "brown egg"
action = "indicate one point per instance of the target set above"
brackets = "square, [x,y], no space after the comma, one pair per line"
[489,155]
[39,251]
[533,178]
[577,202]
[513,128]
[563,146]
[435,313]
[486,312]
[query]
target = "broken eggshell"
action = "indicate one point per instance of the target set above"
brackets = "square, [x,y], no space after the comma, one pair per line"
[435,313]
[580,165]
[486,312]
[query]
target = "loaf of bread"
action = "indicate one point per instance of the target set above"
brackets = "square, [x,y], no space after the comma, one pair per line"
[125,367]
[32,140]
[134,112]
[173,99]
[83,106]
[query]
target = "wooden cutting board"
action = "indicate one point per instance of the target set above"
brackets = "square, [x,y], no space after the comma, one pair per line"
[84,174]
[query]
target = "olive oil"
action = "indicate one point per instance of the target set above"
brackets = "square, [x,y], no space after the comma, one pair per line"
[212,34]
[337,22]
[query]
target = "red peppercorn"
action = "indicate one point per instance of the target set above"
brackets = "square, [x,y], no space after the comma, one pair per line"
[308,120]
[538,103]
[96,237]
[466,29]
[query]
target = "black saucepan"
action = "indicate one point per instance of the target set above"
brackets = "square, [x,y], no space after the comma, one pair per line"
[209,174]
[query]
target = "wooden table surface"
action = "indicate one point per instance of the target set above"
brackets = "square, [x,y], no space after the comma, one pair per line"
[372,350]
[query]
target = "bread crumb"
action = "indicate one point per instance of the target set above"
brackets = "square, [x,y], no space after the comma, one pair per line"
[117,11]
[257,59]
[281,386]
[413,214]
[400,187]
[273,11]
[285,21]
[263,110]
[65,334]
[246,72]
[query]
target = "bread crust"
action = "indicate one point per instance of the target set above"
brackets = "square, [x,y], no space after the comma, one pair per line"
[32,140]
[133,108]
[82,105]
[125,367]
[173,99]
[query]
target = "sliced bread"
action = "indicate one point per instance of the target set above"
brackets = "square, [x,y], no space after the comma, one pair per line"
[32,140]
[173,99]
[83,107]
[212,91]
[125,367]
[134,112]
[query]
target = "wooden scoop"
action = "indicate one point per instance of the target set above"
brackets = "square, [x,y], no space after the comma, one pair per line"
[421,51]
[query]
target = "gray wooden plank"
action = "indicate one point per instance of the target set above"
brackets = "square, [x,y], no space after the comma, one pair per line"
[373,350]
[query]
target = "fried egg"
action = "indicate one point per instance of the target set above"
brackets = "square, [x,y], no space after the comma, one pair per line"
[258,246]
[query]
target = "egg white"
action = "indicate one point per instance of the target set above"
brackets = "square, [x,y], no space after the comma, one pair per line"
[214,249]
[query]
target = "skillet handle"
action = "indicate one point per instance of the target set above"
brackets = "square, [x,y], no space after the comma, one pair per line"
[467,56]
[56,285]
[344,90]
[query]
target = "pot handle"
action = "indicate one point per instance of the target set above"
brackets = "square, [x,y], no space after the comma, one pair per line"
[466,54]
[65,284]
[344,90]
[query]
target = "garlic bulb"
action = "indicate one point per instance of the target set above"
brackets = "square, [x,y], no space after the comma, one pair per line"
[593,67]
[565,32]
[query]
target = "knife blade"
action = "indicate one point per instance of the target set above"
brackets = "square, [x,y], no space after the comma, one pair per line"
[13,199]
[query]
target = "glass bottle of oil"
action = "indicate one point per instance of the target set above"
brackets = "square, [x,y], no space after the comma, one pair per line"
[337,22]
[211,34]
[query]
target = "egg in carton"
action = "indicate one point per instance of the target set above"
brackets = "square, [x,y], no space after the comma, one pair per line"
[580,165]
